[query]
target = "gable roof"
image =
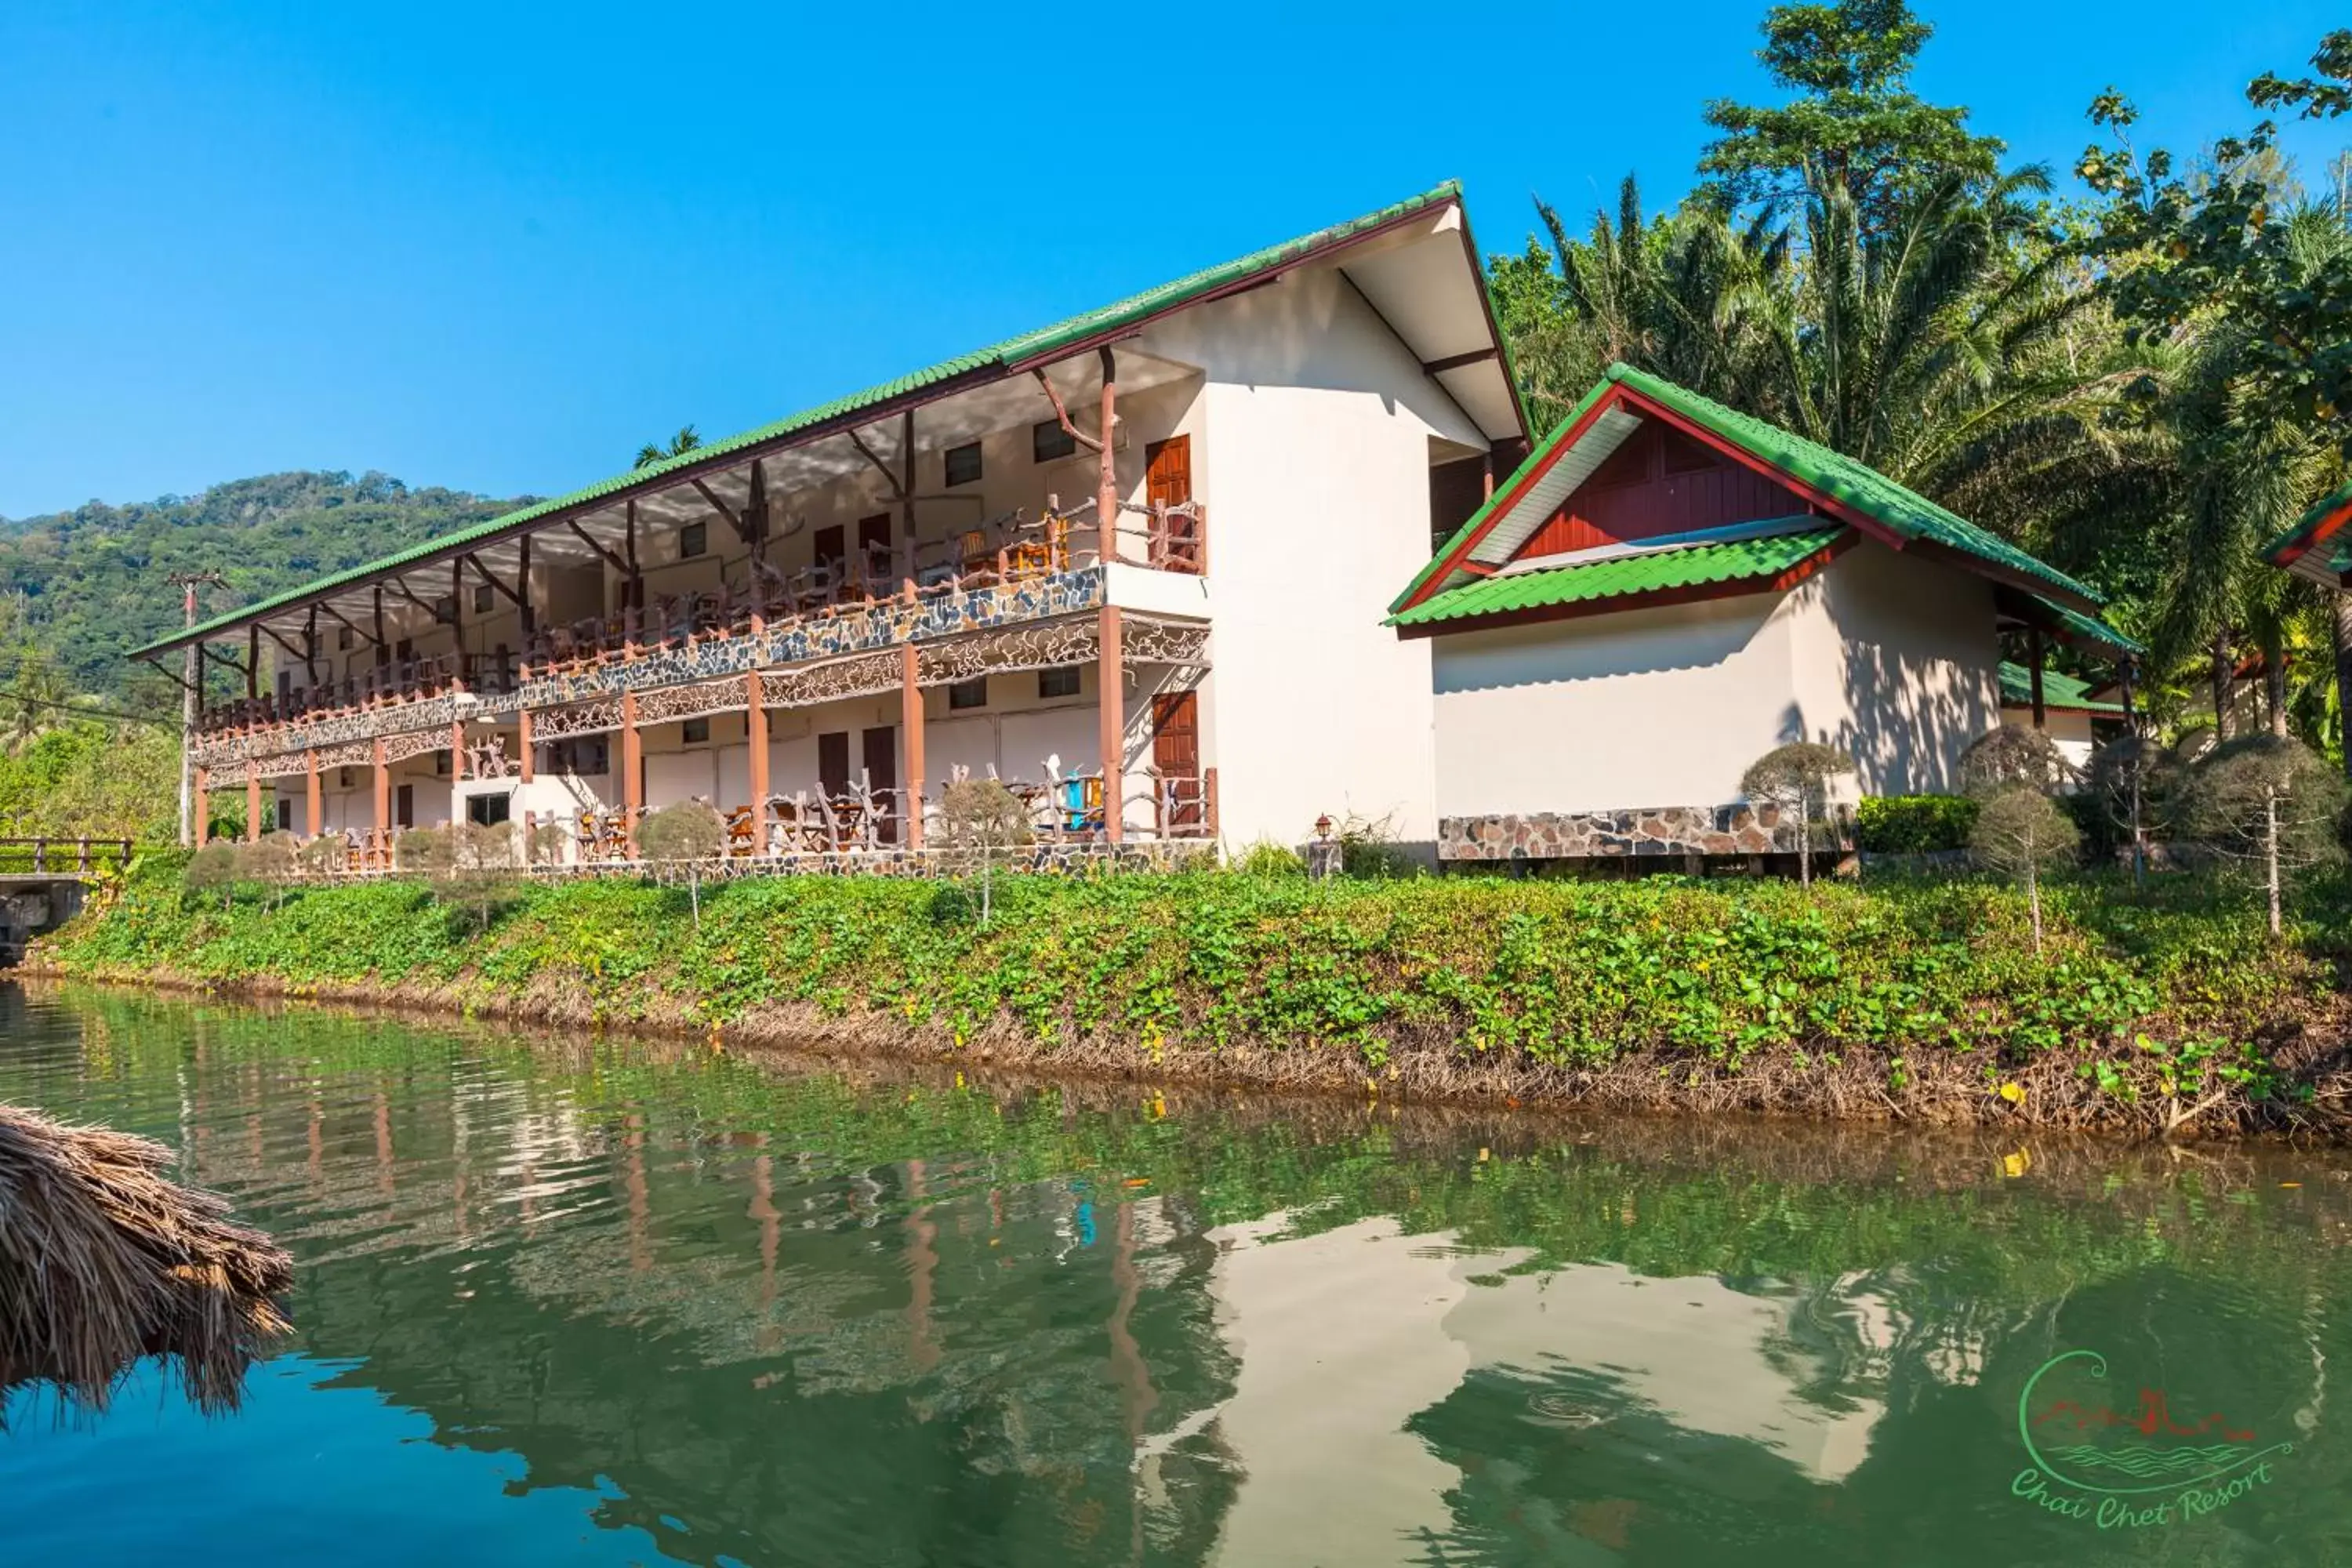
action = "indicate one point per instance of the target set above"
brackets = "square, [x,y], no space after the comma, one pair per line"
[1752,554]
[2319,545]
[1012,356]
[1839,485]
[2063,692]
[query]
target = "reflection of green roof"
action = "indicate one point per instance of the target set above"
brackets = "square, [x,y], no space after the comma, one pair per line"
[1695,561]
[2296,549]
[983,365]
[2057,692]
[1905,512]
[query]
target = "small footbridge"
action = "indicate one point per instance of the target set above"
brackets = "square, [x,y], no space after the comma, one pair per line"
[44,880]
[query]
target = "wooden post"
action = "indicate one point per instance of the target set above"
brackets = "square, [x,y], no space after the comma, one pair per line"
[2034,666]
[253,662]
[316,821]
[1113,709]
[456,752]
[1107,483]
[203,811]
[755,736]
[383,806]
[528,762]
[252,807]
[911,720]
[906,523]
[528,618]
[633,776]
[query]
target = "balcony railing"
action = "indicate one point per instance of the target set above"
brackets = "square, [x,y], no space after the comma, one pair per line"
[1001,552]
[854,819]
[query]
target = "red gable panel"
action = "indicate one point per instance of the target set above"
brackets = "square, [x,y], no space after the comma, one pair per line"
[1662,481]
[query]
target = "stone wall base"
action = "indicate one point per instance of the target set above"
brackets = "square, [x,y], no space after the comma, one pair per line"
[1665,830]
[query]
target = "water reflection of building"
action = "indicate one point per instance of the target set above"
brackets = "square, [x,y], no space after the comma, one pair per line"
[1348,1339]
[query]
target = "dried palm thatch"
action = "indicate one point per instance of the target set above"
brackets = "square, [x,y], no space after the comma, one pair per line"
[104,1259]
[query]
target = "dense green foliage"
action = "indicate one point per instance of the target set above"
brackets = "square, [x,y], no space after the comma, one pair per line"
[1914,824]
[88,778]
[91,583]
[1720,975]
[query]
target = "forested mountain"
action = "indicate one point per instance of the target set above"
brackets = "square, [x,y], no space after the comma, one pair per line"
[82,587]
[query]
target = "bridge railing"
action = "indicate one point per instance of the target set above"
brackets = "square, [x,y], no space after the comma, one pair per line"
[62,857]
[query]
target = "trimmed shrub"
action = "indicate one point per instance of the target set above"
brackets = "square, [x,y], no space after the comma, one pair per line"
[1915,824]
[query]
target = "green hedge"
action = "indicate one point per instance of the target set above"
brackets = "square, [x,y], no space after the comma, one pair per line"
[1557,973]
[1915,824]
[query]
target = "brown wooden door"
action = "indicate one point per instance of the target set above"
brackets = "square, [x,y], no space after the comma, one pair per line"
[1168,481]
[403,806]
[880,749]
[1176,755]
[873,552]
[832,764]
[830,548]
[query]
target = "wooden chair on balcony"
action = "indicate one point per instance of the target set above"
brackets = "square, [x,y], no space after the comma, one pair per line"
[742,831]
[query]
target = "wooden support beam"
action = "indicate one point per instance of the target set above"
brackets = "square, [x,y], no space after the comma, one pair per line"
[522,586]
[614,562]
[311,645]
[457,755]
[734,520]
[898,489]
[528,760]
[1062,413]
[755,736]
[1457,361]
[253,660]
[2034,666]
[1107,483]
[636,578]
[633,772]
[491,578]
[906,505]
[910,723]
[382,802]
[291,651]
[382,646]
[400,588]
[314,803]
[252,807]
[203,807]
[1111,677]
[351,626]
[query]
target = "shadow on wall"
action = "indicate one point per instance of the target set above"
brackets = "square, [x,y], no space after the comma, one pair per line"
[1911,717]
[1601,647]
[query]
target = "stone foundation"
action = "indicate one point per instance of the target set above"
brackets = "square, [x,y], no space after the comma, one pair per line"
[1665,830]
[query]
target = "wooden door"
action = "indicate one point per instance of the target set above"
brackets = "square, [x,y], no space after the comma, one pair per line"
[1176,755]
[881,760]
[831,550]
[403,806]
[832,764]
[873,553]
[1168,481]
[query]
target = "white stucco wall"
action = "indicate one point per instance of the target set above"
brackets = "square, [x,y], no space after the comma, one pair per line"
[1891,658]
[1315,469]
[2069,731]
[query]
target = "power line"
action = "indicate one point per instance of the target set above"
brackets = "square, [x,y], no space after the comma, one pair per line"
[9,697]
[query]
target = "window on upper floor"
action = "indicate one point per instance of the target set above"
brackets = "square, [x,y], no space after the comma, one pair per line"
[1049,443]
[1060,682]
[693,540]
[483,602]
[963,464]
[972,693]
[694,731]
[444,610]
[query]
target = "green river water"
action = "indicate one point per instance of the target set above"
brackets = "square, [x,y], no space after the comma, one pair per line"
[567,1302]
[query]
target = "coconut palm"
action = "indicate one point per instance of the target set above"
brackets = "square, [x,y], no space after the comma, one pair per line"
[685,441]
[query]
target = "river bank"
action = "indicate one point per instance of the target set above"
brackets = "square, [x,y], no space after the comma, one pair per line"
[1920,1001]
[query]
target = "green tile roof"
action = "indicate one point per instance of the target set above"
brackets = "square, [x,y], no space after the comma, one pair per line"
[1012,355]
[2334,552]
[2080,627]
[2057,690]
[1697,563]
[1906,513]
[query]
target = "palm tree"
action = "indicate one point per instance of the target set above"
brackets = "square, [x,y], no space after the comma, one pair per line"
[685,441]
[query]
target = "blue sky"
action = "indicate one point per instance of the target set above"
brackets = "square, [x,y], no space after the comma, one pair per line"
[498,247]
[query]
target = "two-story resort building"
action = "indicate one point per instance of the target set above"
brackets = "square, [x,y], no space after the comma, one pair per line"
[1667,589]
[1131,564]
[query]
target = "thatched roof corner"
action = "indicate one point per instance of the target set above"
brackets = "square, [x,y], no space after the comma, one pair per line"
[104,1259]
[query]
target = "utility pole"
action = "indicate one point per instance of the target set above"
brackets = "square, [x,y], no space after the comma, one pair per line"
[191,696]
